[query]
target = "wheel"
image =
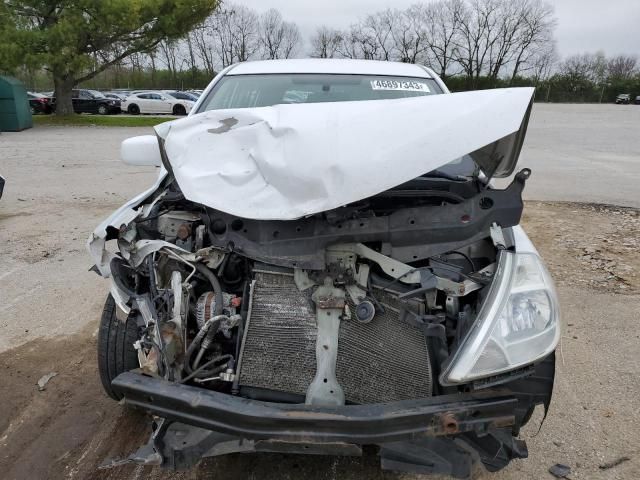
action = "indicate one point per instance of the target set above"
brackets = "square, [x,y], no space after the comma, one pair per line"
[133,109]
[179,110]
[116,353]
[103,110]
[33,110]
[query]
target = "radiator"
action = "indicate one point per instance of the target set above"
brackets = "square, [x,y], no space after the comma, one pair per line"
[384,360]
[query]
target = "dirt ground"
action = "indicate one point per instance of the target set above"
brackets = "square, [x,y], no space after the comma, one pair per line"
[50,305]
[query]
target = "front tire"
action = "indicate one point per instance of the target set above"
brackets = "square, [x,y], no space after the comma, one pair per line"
[103,110]
[134,109]
[179,110]
[116,353]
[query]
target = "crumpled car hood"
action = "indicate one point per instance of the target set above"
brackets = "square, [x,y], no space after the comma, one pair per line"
[289,161]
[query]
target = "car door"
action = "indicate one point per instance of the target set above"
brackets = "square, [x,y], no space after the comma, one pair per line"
[161,105]
[167,103]
[75,100]
[84,101]
[149,102]
[142,100]
[153,101]
[87,103]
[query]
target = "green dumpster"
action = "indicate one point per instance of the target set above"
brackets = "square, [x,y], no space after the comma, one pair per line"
[15,114]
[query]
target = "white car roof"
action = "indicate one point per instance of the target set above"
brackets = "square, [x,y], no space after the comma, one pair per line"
[330,66]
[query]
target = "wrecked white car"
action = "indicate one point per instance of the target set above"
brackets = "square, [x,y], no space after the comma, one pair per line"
[323,265]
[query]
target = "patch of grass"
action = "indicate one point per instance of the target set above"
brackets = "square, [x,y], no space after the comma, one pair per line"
[101,120]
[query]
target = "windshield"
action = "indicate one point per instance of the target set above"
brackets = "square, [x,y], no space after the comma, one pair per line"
[96,94]
[251,91]
[181,96]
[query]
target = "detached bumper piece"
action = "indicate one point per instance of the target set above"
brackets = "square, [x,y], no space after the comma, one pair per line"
[445,434]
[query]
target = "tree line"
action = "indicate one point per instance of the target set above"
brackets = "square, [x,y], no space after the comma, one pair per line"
[469,38]
[176,44]
[472,38]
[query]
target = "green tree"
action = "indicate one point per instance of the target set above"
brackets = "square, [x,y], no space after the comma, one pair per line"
[75,40]
[9,53]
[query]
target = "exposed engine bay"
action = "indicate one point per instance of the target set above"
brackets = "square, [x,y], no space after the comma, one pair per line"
[362,304]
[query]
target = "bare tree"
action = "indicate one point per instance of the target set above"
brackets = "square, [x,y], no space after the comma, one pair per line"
[355,44]
[578,66]
[599,68]
[191,58]
[410,34]
[476,23]
[202,39]
[622,67]
[442,21]
[170,56]
[493,34]
[363,41]
[376,35]
[587,67]
[534,43]
[326,42]
[387,35]
[503,40]
[542,62]
[279,39]
[152,61]
[235,32]
[493,38]
[291,40]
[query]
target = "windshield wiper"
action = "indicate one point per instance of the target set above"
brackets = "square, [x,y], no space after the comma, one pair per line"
[422,194]
[445,176]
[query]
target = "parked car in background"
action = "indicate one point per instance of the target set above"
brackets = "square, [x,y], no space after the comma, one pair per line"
[115,95]
[156,102]
[92,101]
[623,99]
[637,102]
[122,93]
[39,103]
[181,95]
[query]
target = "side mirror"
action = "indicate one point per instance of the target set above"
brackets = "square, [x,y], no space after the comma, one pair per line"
[141,151]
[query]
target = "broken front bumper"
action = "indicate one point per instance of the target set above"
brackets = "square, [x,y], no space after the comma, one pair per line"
[446,434]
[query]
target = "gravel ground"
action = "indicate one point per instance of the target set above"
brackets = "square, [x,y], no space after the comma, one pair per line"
[64,181]
[583,153]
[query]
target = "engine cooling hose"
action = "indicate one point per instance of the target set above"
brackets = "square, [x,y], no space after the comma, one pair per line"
[217,290]
[215,283]
[202,372]
[211,325]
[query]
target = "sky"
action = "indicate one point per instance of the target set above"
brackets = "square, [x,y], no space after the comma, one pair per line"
[611,26]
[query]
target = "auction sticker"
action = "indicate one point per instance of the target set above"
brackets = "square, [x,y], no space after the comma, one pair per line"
[400,85]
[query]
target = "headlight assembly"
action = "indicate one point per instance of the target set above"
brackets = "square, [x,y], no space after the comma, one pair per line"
[517,325]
